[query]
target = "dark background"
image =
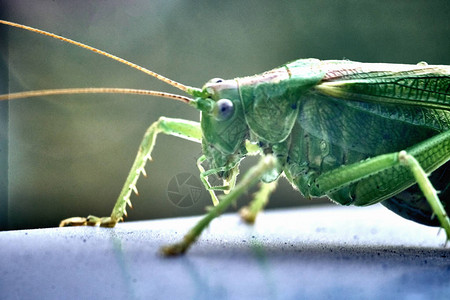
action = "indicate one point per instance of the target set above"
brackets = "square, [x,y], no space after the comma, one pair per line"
[69,155]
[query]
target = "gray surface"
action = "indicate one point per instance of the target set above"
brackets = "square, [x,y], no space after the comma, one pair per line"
[325,252]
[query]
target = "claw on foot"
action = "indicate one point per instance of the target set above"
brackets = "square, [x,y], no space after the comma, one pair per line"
[182,246]
[174,249]
[75,221]
[89,221]
[247,215]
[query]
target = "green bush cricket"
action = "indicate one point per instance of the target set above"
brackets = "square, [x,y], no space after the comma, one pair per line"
[359,133]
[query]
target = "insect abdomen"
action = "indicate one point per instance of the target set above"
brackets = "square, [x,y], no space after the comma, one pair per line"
[412,205]
[331,132]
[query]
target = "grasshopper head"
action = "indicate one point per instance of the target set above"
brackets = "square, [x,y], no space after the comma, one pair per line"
[223,125]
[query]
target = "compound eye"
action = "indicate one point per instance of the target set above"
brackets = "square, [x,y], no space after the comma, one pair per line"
[224,109]
[215,80]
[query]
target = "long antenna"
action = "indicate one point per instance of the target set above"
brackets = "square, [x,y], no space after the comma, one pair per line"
[72,91]
[188,89]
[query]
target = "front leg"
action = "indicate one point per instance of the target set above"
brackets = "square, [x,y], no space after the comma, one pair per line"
[260,200]
[249,179]
[182,128]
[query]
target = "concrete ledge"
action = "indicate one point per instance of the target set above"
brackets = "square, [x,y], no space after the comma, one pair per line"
[323,252]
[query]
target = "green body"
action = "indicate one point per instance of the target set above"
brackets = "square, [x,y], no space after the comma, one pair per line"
[358,133]
[316,116]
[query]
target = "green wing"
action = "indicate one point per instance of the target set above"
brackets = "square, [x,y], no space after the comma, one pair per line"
[418,85]
[371,108]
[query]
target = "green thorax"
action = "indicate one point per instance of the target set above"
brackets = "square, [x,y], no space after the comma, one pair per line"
[264,108]
[271,100]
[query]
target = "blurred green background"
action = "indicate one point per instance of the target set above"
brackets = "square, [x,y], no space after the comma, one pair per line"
[69,155]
